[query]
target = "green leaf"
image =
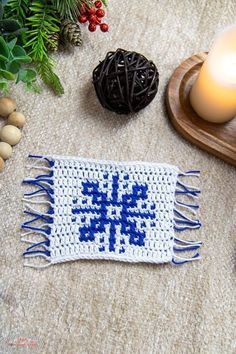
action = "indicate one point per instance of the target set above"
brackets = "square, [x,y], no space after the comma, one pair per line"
[3,65]
[17,9]
[13,67]
[7,74]
[31,86]
[22,76]
[10,25]
[2,58]
[20,55]
[27,75]
[12,44]
[25,59]
[18,51]
[16,33]
[4,51]
[31,75]
[4,87]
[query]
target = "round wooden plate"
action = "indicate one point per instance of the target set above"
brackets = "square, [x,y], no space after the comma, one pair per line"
[217,139]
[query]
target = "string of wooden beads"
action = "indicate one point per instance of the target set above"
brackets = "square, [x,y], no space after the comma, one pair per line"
[10,134]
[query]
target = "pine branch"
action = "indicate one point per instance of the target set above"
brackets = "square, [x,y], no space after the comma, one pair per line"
[45,70]
[70,9]
[42,22]
[67,8]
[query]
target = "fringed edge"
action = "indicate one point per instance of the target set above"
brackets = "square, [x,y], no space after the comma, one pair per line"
[184,222]
[43,184]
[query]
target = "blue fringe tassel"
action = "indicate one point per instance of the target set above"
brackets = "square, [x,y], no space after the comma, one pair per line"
[38,252]
[42,188]
[42,182]
[182,222]
[189,173]
[30,250]
[188,248]
[186,242]
[176,262]
[50,162]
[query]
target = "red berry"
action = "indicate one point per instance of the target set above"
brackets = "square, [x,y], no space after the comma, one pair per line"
[93,19]
[91,11]
[92,27]
[98,4]
[98,20]
[83,19]
[104,27]
[100,13]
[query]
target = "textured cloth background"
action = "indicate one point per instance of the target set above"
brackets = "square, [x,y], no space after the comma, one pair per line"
[109,307]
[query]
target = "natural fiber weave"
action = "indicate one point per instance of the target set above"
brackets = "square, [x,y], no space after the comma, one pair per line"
[125,82]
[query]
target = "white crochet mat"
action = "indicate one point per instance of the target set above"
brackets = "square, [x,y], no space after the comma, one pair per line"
[124,211]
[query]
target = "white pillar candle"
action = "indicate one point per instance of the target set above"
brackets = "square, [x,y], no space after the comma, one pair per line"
[213,95]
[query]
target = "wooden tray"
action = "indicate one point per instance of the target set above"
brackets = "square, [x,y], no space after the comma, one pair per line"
[217,139]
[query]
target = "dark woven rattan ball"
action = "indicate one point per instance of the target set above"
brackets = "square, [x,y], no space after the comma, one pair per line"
[125,82]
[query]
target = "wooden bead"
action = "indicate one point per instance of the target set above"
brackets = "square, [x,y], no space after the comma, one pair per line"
[17,119]
[7,106]
[10,134]
[5,150]
[2,164]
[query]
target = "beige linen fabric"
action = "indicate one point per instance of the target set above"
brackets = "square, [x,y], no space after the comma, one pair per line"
[94,307]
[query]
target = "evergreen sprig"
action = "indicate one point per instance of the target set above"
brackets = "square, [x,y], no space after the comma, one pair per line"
[37,23]
[67,8]
[42,22]
[70,9]
[45,69]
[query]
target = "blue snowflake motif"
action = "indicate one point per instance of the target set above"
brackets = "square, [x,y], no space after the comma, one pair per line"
[114,211]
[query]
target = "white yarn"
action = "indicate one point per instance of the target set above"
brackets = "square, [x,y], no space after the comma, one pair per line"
[108,210]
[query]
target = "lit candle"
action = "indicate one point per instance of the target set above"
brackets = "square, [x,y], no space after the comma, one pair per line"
[213,95]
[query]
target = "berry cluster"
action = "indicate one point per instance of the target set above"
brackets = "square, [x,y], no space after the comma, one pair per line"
[94,16]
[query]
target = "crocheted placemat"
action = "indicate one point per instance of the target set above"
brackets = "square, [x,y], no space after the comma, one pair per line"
[124,211]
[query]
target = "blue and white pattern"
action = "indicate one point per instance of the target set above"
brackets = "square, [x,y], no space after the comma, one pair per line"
[119,212]
[110,210]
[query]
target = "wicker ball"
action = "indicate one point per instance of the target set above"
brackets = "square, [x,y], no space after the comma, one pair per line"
[125,82]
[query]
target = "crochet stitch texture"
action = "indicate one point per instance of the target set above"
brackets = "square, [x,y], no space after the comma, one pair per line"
[125,211]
